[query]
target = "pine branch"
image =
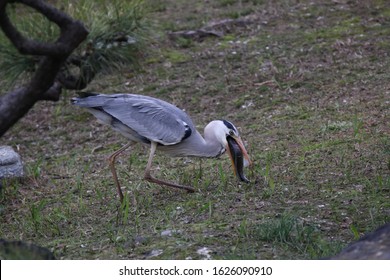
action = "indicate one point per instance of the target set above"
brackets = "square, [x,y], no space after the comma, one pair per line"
[15,104]
[115,41]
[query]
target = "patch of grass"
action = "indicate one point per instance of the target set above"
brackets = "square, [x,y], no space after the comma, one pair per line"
[184,42]
[238,13]
[336,126]
[174,56]
[224,3]
[36,214]
[289,232]
[357,126]
[157,6]
[268,178]
[344,28]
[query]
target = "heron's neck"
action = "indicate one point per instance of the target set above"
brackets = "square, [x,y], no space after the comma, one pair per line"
[206,147]
[196,146]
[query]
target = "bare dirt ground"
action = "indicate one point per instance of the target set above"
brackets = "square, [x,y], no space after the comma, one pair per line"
[308,85]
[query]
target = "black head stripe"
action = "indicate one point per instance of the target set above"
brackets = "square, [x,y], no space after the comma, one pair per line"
[229,125]
[187,131]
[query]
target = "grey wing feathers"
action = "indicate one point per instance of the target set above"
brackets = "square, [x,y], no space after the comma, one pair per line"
[151,118]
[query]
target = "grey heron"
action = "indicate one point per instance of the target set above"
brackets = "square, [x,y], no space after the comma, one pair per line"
[163,126]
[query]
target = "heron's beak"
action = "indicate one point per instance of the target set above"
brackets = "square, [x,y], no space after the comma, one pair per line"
[238,154]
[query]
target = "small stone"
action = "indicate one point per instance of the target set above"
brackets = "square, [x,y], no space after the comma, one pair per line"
[154,253]
[204,252]
[170,232]
[138,240]
[10,163]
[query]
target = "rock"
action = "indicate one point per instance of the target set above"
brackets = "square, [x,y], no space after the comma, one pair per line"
[10,163]
[373,246]
[19,250]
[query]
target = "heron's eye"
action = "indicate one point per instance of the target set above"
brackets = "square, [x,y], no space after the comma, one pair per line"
[231,133]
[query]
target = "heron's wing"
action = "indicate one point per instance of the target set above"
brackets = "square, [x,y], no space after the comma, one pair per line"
[151,118]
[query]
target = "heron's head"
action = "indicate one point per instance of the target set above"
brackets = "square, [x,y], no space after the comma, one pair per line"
[227,134]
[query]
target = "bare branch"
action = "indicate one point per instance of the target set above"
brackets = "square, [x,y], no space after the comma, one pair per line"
[33,47]
[53,93]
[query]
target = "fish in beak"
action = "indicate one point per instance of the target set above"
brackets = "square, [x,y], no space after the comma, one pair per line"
[238,155]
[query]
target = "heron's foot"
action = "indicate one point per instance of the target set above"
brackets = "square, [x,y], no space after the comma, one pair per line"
[149,178]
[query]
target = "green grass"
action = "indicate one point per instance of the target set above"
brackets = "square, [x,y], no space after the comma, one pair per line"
[294,235]
[317,132]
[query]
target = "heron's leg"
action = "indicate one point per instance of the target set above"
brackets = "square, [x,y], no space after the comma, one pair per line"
[149,177]
[111,160]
